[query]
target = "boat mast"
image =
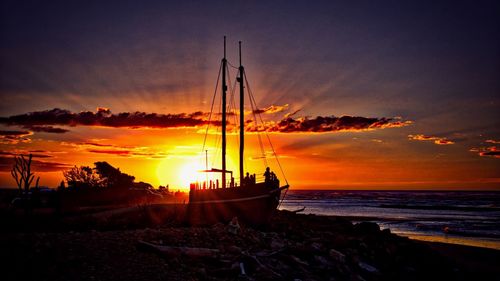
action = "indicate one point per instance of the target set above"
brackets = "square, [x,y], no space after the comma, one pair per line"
[242,119]
[224,89]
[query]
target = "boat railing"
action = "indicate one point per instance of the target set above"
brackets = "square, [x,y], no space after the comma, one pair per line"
[233,183]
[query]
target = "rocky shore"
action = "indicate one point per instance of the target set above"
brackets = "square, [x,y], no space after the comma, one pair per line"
[153,243]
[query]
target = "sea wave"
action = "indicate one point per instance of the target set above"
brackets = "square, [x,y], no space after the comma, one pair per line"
[455,214]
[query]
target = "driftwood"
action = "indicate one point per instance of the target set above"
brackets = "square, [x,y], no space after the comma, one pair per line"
[242,269]
[299,210]
[269,254]
[170,251]
[263,266]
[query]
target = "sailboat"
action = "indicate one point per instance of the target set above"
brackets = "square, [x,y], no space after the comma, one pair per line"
[252,200]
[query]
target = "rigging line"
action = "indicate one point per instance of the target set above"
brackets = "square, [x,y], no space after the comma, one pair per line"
[235,117]
[232,65]
[267,135]
[274,151]
[231,90]
[217,136]
[283,198]
[276,156]
[217,140]
[252,103]
[232,103]
[261,143]
[211,108]
[228,75]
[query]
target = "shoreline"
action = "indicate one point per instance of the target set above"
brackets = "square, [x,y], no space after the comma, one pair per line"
[481,242]
[460,241]
[456,217]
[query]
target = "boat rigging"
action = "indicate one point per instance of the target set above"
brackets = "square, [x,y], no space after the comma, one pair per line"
[252,200]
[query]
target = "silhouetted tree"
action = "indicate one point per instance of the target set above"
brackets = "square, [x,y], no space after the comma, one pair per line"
[103,175]
[142,185]
[112,177]
[21,172]
[82,177]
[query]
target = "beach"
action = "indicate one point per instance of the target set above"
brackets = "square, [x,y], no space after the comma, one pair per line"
[116,245]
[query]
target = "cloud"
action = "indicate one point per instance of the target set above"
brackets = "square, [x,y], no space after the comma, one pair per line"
[14,137]
[43,121]
[34,154]
[436,140]
[125,151]
[290,114]
[130,153]
[269,155]
[7,162]
[443,142]
[491,151]
[103,117]
[271,109]
[323,124]
[108,151]
[45,129]
[98,144]
[14,133]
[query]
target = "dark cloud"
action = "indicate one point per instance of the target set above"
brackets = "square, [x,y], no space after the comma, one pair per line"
[43,121]
[45,129]
[7,162]
[25,153]
[114,152]
[90,145]
[324,124]
[129,153]
[111,149]
[103,117]
[493,141]
[14,133]
[14,137]
[98,144]
[491,151]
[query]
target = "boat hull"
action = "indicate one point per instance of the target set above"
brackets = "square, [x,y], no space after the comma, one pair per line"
[251,204]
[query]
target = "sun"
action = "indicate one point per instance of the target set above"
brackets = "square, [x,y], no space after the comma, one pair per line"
[180,173]
[190,173]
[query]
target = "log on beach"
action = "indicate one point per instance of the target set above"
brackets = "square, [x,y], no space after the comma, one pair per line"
[170,251]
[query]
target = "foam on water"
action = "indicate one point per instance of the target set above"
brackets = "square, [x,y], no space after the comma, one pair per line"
[463,217]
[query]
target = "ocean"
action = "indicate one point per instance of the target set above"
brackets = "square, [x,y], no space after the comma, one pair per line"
[459,217]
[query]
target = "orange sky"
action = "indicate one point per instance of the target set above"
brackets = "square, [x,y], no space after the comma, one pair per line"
[373,159]
[385,96]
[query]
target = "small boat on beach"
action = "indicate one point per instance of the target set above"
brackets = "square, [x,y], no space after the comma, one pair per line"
[251,199]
